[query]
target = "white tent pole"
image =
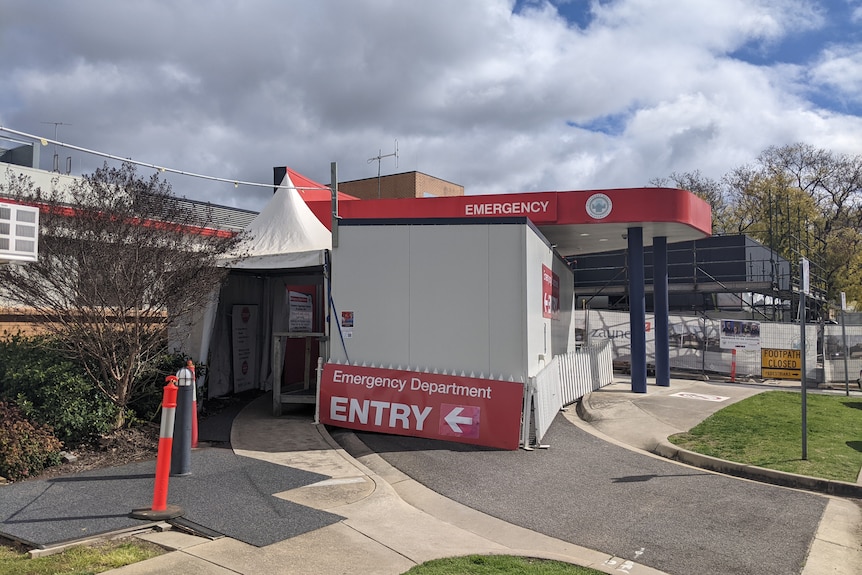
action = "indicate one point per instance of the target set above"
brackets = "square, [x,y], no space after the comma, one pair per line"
[208,321]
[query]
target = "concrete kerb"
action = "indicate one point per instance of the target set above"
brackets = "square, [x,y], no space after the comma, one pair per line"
[670,451]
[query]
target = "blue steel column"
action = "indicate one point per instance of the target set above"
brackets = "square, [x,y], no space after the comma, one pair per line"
[637,308]
[660,308]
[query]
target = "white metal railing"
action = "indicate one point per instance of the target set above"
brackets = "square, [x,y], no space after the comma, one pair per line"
[565,379]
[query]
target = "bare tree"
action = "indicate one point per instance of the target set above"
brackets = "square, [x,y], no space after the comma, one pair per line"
[799,200]
[120,258]
[709,190]
[824,189]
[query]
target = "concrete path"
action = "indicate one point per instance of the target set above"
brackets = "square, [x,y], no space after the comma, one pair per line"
[392,521]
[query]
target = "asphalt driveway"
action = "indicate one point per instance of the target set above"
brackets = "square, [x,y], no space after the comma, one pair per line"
[593,493]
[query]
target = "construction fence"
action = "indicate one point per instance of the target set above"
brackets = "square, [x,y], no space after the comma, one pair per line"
[696,346]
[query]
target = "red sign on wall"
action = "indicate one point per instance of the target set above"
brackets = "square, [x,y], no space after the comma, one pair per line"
[550,293]
[462,409]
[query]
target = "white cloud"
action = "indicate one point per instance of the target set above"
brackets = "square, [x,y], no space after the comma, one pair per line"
[719,26]
[840,69]
[475,94]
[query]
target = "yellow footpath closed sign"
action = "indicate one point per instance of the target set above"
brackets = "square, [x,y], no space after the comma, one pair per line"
[780,363]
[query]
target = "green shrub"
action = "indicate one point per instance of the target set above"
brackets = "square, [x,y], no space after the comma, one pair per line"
[151,383]
[25,448]
[50,388]
[53,390]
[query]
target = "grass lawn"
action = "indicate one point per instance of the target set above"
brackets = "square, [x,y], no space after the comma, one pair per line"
[92,559]
[82,560]
[491,564]
[766,430]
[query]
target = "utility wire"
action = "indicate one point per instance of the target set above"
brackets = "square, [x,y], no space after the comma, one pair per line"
[236,183]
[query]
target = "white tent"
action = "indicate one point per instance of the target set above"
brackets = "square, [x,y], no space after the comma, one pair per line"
[285,234]
[285,245]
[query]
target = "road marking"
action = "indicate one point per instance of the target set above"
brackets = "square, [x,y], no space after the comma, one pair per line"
[337,481]
[700,396]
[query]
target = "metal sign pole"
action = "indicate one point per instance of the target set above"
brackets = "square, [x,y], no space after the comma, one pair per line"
[333,186]
[844,345]
[803,291]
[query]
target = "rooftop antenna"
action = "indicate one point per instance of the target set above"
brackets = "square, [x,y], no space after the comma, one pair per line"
[379,157]
[56,157]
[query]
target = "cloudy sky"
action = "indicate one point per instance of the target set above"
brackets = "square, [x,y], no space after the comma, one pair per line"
[497,95]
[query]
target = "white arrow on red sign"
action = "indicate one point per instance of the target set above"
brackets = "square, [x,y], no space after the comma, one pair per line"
[454,419]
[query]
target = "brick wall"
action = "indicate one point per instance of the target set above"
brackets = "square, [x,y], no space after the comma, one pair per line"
[17,321]
[406,185]
[22,321]
[428,185]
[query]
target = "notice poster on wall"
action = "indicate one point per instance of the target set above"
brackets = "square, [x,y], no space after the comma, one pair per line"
[550,293]
[300,314]
[244,345]
[737,334]
[347,324]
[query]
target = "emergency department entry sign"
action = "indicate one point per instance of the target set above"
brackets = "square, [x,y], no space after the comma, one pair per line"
[449,407]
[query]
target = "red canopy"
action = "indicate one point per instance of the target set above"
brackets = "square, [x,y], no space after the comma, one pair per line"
[312,191]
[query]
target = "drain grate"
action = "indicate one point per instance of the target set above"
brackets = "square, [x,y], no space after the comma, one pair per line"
[182,524]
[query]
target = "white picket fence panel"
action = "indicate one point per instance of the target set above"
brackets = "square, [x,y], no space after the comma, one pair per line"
[564,380]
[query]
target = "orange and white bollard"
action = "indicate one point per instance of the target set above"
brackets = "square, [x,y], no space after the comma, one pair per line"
[191,366]
[160,509]
[733,365]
